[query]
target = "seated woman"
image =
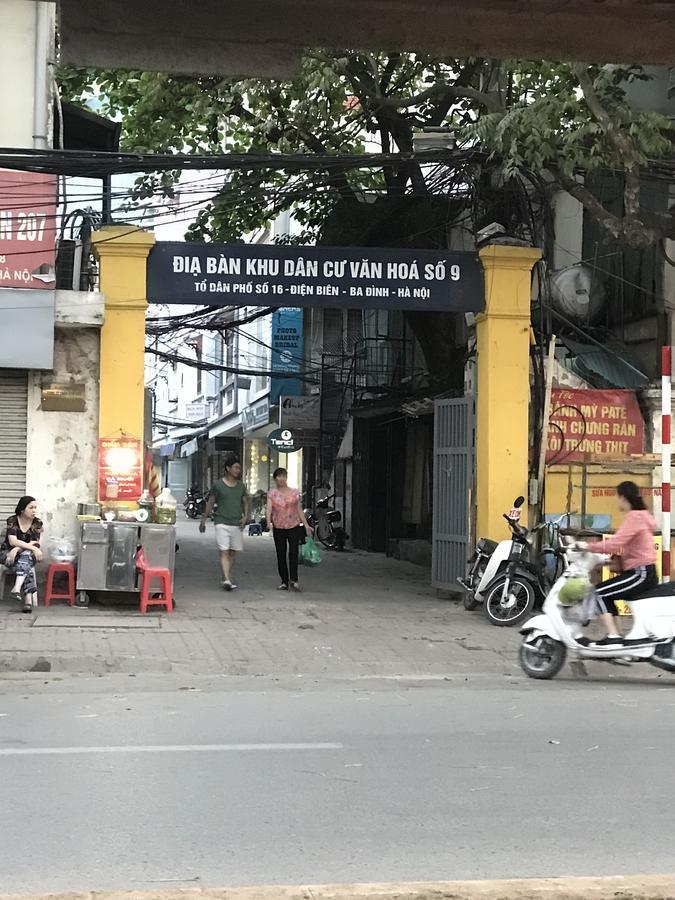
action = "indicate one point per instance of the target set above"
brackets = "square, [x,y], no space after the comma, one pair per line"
[20,551]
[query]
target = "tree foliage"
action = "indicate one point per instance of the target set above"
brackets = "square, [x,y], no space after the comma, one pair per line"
[541,123]
[560,121]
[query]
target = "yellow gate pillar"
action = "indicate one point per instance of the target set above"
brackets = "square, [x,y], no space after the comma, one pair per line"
[503,385]
[122,251]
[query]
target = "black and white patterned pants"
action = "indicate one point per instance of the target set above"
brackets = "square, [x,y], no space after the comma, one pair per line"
[626,586]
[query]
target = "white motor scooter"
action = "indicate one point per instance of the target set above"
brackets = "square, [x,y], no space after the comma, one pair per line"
[489,560]
[548,637]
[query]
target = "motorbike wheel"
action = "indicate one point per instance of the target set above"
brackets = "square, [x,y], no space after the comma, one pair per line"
[470,602]
[326,536]
[515,609]
[543,658]
[191,510]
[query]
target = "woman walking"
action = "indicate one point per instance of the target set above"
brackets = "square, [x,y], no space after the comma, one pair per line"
[287,517]
[20,551]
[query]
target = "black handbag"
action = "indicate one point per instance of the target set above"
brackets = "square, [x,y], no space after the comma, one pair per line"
[301,533]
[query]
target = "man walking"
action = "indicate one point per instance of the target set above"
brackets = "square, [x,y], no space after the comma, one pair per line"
[229,497]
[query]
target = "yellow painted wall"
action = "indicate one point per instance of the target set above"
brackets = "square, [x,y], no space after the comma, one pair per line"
[503,384]
[598,482]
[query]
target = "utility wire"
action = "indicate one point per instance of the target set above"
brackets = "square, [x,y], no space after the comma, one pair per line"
[100,163]
[309,377]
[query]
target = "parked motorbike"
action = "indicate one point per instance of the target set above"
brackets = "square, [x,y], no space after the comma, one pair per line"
[528,576]
[325,522]
[488,560]
[512,577]
[548,637]
[195,502]
[258,513]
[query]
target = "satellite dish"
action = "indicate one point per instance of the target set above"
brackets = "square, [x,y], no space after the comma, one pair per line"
[577,293]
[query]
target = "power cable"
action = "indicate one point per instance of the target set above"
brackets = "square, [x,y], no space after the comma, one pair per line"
[309,377]
[99,163]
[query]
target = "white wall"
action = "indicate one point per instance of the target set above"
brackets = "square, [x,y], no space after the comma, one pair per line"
[255,339]
[62,446]
[17,72]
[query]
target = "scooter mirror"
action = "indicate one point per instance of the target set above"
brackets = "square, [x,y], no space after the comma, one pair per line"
[518,502]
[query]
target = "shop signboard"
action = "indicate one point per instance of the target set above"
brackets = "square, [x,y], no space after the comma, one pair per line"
[587,425]
[287,352]
[256,415]
[69,397]
[27,230]
[301,412]
[196,412]
[335,277]
[283,441]
[120,469]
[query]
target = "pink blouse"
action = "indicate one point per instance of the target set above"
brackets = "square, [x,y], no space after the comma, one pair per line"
[285,508]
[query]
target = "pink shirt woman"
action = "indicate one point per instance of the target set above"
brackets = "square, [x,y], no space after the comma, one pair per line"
[287,517]
[634,544]
[285,508]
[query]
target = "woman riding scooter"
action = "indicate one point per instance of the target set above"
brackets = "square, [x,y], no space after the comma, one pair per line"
[633,544]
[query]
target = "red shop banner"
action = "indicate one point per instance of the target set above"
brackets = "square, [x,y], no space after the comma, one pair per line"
[120,469]
[27,230]
[588,424]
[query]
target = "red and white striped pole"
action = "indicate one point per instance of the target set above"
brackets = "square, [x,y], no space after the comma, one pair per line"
[666,411]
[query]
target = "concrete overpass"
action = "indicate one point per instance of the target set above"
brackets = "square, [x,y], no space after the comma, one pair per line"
[267,37]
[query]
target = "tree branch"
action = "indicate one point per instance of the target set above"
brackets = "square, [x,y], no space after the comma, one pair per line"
[634,233]
[611,223]
[441,90]
[624,145]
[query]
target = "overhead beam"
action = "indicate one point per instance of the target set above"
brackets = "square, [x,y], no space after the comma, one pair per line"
[259,37]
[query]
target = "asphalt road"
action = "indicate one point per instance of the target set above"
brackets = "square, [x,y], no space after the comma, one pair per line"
[132,783]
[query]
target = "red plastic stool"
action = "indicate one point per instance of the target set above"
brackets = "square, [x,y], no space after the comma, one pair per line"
[147,573]
[68,570]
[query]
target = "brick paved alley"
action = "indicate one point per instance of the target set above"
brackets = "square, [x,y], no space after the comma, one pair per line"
[361,615]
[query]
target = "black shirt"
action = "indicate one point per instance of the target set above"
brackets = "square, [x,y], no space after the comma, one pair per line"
[14,529]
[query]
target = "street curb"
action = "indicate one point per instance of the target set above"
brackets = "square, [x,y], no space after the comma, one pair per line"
[650,887]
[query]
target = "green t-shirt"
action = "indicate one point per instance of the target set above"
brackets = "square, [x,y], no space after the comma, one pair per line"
[229,502]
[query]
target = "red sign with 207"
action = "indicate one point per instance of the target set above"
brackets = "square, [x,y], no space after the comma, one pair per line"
[27,230]
[586,424]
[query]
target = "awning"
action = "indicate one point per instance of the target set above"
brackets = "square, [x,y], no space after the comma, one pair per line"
[190,448]
[610,367]
[229,425]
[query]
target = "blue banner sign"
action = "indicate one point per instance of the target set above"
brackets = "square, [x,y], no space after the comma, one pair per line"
[287,352]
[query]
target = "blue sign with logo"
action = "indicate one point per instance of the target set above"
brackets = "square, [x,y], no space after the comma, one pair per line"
[287,351]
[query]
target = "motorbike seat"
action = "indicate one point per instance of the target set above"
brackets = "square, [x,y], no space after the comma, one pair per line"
[487,546]
[661,590]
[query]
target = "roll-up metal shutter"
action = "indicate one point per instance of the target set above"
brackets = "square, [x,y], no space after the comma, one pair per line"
[13,429]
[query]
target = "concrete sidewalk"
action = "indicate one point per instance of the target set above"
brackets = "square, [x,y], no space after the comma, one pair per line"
[650,887]
[361,615]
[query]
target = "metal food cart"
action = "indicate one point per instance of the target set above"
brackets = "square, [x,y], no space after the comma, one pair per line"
[107,555]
